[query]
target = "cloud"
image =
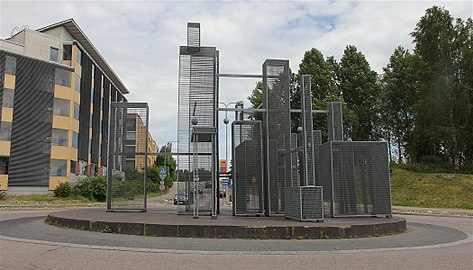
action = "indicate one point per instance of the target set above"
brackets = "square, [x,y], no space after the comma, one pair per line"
[140,40]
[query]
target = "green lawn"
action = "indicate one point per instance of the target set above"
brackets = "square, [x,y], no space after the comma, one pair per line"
[431,190]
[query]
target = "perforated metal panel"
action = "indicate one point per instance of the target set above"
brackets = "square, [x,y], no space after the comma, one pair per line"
[305,203]
[127,163]
[295,176]
[308,164]
[317,142]
[335,121]
[355,178]
[277,132]
[197,144]
[247,168]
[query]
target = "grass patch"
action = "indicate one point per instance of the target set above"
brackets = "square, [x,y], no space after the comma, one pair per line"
[431,190]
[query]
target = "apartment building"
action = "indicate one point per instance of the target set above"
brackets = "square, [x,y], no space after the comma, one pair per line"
[136,143]
[55,95]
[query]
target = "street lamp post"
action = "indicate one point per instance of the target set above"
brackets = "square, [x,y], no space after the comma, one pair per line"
[226,121]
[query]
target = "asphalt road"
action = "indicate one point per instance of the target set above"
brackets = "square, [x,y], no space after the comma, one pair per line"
[24,255]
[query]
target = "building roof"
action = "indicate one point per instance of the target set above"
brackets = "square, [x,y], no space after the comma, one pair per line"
[72,27]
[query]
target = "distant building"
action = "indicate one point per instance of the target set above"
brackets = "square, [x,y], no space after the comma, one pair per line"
[55,95]
[136,129]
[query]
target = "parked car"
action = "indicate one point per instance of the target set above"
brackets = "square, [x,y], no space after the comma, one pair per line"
[180,198]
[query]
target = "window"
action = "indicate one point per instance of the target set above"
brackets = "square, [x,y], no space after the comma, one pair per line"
[61,106]
[8,98]
[53,54]
[75,140]
[5,131]
[63,77]
[77,83]
[78,56]
[67,52]
[4,163]
[73,167]
[10,65]
[76,111]
[60,137]
[58,167]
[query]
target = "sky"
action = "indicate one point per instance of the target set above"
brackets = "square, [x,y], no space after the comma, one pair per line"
[140,39]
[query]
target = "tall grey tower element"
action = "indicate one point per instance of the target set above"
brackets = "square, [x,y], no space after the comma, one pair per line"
[276,133]
[197,125]
[307,135]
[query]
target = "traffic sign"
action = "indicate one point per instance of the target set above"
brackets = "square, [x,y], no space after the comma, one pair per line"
[162,173]
[227,182]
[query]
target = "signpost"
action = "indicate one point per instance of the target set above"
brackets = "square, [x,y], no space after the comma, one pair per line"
[162,175]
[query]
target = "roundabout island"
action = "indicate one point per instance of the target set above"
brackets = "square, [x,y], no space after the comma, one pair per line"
[162,221]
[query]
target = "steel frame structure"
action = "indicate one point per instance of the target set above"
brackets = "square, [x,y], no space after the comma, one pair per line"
[300,176]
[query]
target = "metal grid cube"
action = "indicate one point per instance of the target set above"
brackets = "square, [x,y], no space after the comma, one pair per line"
[247,168]
[127,163]
[305,203]
[355,177]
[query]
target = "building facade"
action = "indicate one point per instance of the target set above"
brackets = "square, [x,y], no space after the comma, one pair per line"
[55,95]
[135,143]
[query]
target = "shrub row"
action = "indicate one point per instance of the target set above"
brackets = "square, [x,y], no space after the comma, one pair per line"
[93,188]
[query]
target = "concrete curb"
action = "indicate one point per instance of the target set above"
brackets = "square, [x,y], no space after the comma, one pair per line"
[402,210]
[385,227]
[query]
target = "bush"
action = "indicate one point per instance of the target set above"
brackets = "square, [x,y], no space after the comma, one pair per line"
[93,188]
[63,190]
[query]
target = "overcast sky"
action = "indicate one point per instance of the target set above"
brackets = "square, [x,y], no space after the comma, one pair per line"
[140,39]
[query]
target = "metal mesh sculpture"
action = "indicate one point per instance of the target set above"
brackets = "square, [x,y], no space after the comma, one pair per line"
[247,168]
[127,163]
[355,177]
[277,133]
[197,125]
[300,176]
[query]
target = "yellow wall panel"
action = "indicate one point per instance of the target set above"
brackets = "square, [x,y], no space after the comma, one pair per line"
[60,152]
[5,148]
[7,114]
[55,180]
[9,81]
[61,122]
[78,69]
[77,97]
[64,92]
[75,125]
[3,181]
[73,154]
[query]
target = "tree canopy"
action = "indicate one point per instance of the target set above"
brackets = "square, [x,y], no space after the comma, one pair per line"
[422,103]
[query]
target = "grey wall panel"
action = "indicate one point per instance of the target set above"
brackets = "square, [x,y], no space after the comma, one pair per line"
[113,93]
[94,154]
[32,123]
[85,87]
[2,76]
[105,114]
